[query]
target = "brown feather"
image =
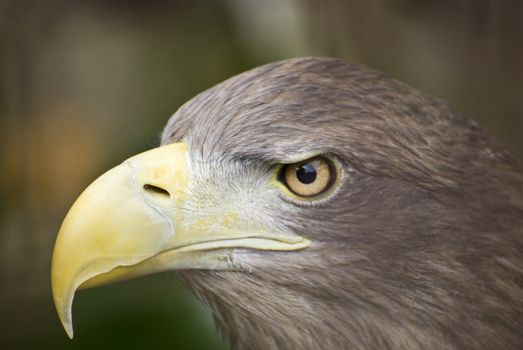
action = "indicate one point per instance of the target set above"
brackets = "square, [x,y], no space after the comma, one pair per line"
[420,248]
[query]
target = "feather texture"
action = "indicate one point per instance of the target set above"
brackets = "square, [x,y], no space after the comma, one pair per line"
[421,246]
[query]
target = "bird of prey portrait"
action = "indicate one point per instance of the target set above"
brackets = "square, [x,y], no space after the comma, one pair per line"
[315,204]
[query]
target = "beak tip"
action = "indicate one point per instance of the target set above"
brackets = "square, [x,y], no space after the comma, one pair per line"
[69,331]
[64,311]
[68,327]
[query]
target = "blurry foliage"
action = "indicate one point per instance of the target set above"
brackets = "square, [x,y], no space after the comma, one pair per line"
[85,85]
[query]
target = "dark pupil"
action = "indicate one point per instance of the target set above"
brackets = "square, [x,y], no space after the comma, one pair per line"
[306,173]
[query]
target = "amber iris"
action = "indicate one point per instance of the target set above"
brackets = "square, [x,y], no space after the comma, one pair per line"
[310,177]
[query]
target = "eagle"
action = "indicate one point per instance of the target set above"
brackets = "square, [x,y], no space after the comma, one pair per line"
[315,204]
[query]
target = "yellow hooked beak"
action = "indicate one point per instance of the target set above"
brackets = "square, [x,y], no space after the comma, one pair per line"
[131,221]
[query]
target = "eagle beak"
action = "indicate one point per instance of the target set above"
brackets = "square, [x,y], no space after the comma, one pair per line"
[131,221]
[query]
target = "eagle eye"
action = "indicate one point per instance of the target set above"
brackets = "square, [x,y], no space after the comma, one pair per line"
[310,177]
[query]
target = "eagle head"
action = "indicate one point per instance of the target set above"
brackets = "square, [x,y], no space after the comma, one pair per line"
[313,203]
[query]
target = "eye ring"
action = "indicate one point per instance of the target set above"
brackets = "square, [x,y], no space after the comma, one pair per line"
[309,178]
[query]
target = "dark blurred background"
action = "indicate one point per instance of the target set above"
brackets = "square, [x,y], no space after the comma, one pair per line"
[84,85]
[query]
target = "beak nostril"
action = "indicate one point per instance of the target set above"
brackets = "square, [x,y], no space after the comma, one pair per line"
[155,190]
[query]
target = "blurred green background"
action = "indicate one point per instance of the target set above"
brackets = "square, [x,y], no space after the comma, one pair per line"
[85,85]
